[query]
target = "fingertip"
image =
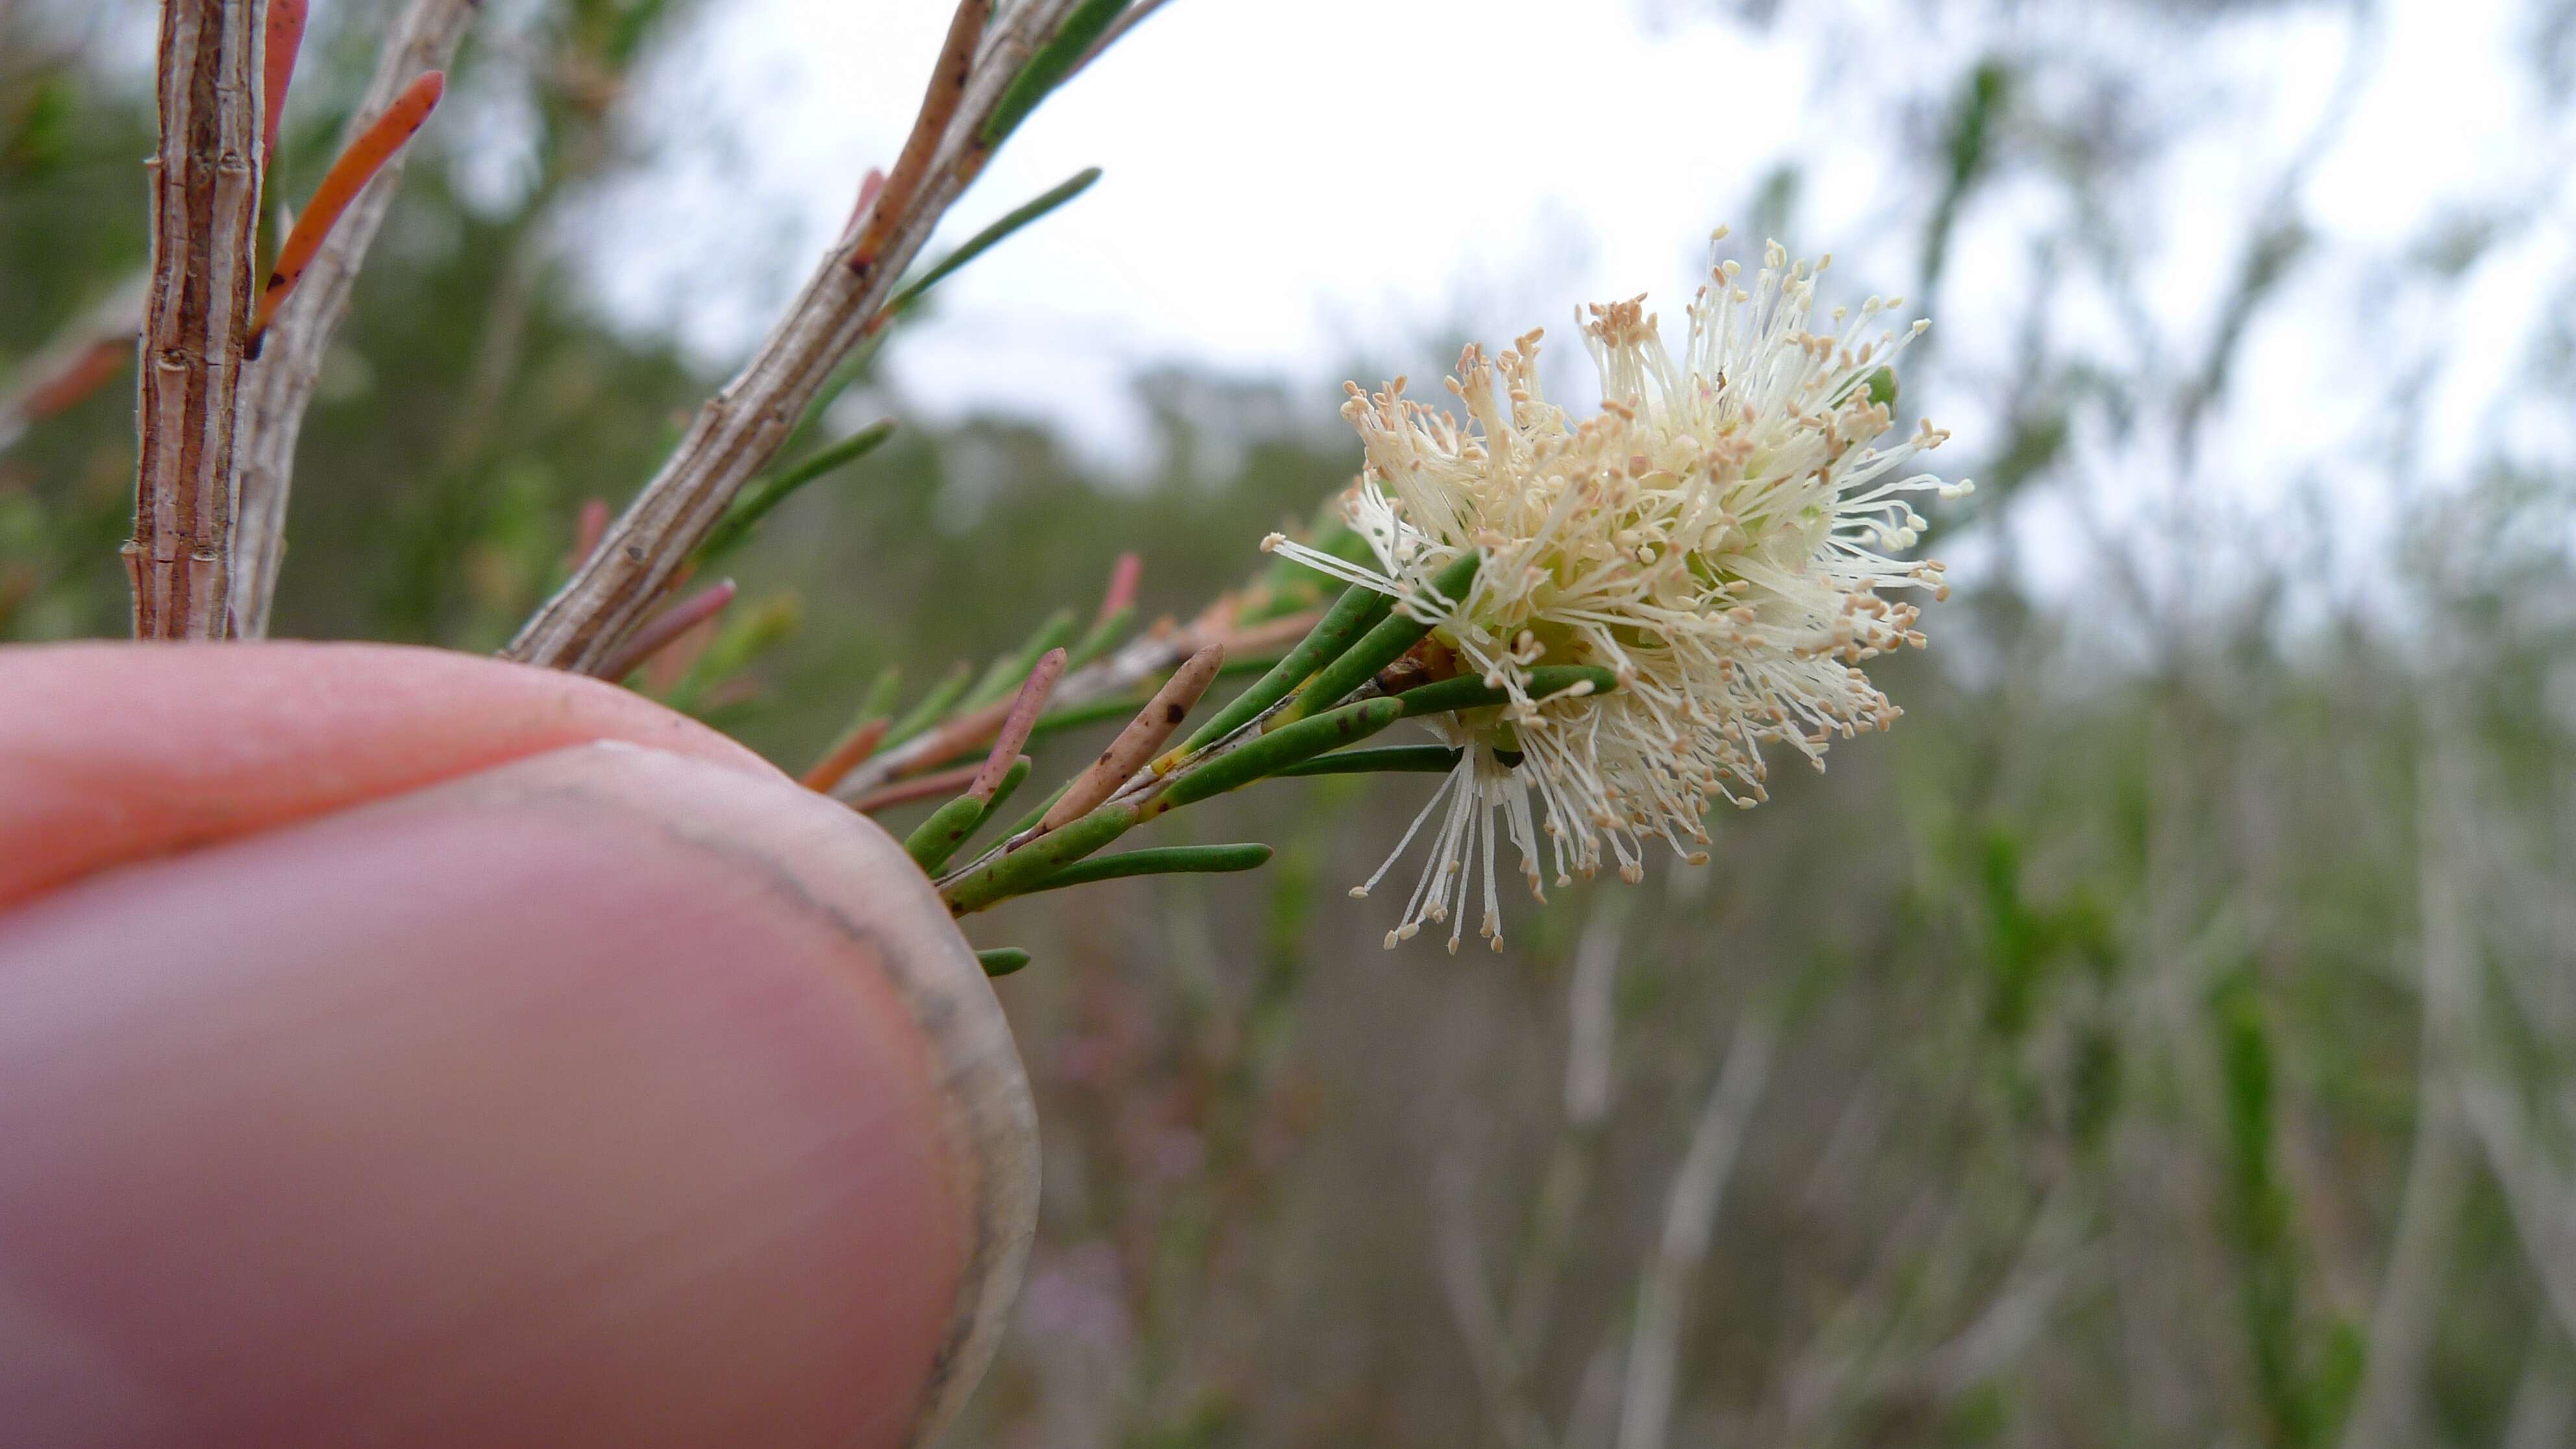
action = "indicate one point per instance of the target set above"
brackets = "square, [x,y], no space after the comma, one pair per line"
[609,1094]
[112,753]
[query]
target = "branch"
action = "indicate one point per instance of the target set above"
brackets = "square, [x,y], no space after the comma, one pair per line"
[1135,745]
[1499,1371]
[1690,1216]
[2387,1403]
[1503,1343]
[2539,1198]
[280,384]
[2053,1264]
[205,174]
[1591,1082]
[1119,674]
[741,428]
[2544,1405]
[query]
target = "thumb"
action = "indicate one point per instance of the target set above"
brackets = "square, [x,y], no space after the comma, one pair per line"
[605,1096]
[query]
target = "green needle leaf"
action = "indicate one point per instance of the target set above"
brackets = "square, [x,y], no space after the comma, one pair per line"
[1030,820]
[1281,747]
[1352,615]
[1104,636]
[866,731]
[883,693]
[865,353]
[1002,793]
[1122,707]
[1014,873]
[1007,671]
[1002,960]
[991,236]
[744,640]
[1047,69]
[937,838]
[1163,860]
[1881,383]
[1384,644]
[933,708]
[769,492]
[1011,781]
[1410,759]
[1469,692]
[1288,586]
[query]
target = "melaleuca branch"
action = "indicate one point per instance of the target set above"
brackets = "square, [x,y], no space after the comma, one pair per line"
[1605,623]
[1109,684]
[279,385]
[205,180]
[987,78]
[228,371]
[1338,685]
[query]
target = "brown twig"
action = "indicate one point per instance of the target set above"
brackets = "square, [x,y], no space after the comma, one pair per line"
[1134,748]
[741,428]
[939,102]
[1132,664]
[205,216]
[280,385]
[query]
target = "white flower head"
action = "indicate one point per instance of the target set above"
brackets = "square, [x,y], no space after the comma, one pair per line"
[1722,536]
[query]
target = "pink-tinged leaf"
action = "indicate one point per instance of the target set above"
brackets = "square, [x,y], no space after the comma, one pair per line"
[349,175]
[588,532]
[659,631]
[848,754]
[868,189]
[1122,585]
[283,38]
[1017,724]
[85,374]
[947,87]
[919,787]
[1134,748]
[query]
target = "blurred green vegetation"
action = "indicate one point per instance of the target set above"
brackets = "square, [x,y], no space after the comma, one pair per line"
[2102,984]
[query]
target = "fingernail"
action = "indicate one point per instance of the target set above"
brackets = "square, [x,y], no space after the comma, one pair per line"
[606,1096]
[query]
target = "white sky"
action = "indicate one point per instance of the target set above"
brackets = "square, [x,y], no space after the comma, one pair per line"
[1288,186]
[1299,189]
